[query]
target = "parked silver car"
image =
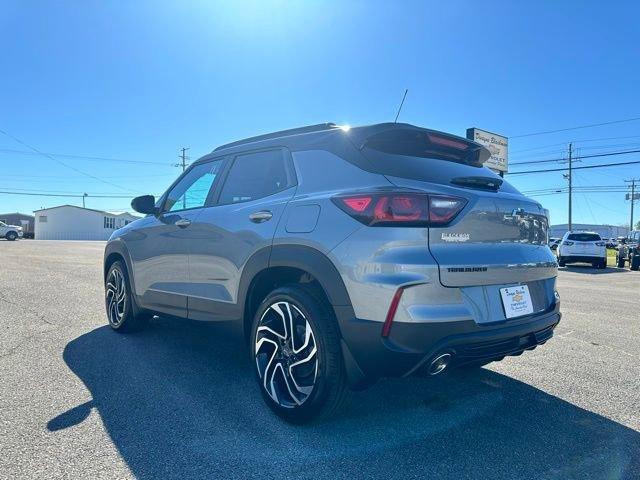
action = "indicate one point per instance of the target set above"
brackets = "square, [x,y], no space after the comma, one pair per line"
[10,232]
[346,255]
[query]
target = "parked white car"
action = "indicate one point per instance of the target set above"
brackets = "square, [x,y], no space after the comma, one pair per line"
[586,247]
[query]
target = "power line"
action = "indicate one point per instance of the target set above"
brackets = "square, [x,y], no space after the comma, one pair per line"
[69,195]
[575,128]
[595,155]
[603,165]
[82,157]
[574,141]
[62,163]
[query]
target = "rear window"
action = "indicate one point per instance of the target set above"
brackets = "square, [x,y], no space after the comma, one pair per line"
[401,163]
[584,237]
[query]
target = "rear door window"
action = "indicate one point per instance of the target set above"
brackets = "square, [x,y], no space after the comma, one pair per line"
[256,175]
[584,237]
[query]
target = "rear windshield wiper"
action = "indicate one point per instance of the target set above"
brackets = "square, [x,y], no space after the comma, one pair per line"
[481,183]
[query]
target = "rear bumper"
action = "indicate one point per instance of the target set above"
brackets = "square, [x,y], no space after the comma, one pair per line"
[583,258]
[412,345]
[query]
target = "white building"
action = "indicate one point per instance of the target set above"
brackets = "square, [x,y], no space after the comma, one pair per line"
[605,231]
[68,222]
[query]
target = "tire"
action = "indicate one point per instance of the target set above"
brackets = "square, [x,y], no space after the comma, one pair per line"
[634,262]
[122,312]
[620,261]
[561,262]
[298,382]
[11,236]
[603,264]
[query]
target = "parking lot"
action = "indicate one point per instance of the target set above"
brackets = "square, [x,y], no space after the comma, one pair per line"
[179,401]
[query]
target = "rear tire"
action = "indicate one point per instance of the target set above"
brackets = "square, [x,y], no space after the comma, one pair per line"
[295,346]
[11,236]
[122,312]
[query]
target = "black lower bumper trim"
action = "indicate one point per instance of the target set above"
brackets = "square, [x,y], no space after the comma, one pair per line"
[411,345]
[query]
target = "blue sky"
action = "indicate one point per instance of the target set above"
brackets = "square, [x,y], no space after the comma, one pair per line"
[138,80]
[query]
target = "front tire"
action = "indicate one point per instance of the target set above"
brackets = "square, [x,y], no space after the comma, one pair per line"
[11,236]
[296,351]
[122,313]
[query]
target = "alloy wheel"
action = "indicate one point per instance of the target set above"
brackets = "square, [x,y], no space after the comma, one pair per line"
[286,354]
[116,297]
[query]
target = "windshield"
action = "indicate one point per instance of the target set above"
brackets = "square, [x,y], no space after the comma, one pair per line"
[584,237]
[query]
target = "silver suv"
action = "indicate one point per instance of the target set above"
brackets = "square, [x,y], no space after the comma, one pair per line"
[346,255]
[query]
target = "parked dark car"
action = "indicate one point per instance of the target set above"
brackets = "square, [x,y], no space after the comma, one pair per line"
[554,242]
[629,251]
[611,243]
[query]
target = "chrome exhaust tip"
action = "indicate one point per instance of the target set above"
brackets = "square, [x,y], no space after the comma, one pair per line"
[439,363]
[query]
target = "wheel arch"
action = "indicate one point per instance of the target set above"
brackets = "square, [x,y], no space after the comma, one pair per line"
[289,264]
[113,252]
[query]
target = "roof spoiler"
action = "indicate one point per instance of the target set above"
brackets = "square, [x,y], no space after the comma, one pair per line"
[444,145]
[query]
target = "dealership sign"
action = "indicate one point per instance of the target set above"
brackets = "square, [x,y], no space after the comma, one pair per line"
[497,145]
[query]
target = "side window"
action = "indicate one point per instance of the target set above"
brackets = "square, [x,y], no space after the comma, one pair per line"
[109,222]
[192,190]
[255,175]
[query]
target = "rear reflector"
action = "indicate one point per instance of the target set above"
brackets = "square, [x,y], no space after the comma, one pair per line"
[408,209]
[391,313]
[358,204]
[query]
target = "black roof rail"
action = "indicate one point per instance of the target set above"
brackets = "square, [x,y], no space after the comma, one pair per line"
[282,133]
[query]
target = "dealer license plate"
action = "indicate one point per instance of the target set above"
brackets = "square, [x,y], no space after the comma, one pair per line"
[516,301]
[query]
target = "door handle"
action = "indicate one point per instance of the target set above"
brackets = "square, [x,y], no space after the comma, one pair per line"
[183,223]
[261,216]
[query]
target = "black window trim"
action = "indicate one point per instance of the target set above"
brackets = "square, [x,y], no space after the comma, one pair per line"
[289,168]
[216,182]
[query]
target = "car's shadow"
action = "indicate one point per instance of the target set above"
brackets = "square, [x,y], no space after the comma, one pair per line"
[180,401]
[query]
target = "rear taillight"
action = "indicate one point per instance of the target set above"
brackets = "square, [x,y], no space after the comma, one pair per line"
[600,244]
[400,208]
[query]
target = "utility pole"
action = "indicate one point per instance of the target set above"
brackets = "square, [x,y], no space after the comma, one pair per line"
[570,225]
[84,195]
[632,198]
[183,159]
[183,163]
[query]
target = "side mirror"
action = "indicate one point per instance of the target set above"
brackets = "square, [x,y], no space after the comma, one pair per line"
[145,204]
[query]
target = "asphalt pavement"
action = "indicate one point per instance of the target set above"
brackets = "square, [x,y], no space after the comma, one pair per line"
[179,400]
